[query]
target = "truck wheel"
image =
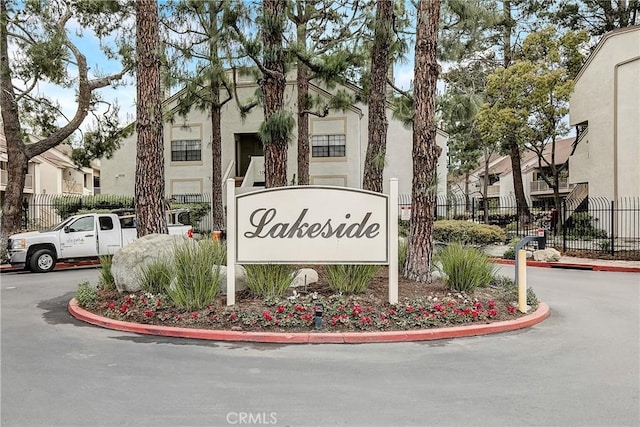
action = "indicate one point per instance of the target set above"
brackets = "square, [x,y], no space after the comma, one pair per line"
[42,261]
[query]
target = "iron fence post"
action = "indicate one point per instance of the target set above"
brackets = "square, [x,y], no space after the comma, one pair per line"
[564,225]
[613,239]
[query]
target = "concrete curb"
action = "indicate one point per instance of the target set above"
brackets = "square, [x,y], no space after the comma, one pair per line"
[534,318]
[571,265]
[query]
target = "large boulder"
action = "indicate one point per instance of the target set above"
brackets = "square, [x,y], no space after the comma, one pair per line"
[547,255]
[303,277]
[241,278]
[128,261]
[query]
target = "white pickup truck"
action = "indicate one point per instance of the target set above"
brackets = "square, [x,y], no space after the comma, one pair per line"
[79,236]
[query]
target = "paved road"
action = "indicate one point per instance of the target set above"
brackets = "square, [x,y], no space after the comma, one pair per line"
[580,367]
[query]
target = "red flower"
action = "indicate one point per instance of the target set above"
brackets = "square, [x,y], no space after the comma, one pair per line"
[194,315]
[391,311]
[112,305]
[474,313]
[478,305]
[341,308]
[492,313]
[159,303]
[280,309]
[409,309]
[233,317]
[267,316]
[356,310]
[124,308]
[492,304]
[365,320]
[512,309]
[148,313]
[128,300]
[299,308]
[143,299]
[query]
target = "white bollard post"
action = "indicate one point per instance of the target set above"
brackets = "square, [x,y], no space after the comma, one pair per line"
[522,281]
[231,242]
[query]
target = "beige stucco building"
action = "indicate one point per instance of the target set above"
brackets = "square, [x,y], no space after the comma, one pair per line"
[605,108]
[338,144]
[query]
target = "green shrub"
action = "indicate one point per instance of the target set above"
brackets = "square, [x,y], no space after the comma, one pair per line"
[508,291]
[86,295]
[464,269]
[105,279]
[350,279]
[465,232]
[155,277]
[269,280]
[582,226]
[68,205]
[403,227]
[509,253]
[403,249]
[196,283]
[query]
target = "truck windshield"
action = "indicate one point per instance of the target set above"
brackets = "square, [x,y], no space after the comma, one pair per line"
[61,225]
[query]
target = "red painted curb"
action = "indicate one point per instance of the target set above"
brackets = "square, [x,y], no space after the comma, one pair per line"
[536,317]
[59,266]
[571,265]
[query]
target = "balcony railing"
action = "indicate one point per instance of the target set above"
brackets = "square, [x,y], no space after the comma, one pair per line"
[28,179]
[542,187]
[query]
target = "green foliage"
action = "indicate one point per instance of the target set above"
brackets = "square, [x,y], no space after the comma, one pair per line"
[351,278]
[508,291]
[403,250]
[86,295]
[105,278]
[277,129]
[196,283]
[464,269]
[403,227]
[269,280]
[68,205]
[582,227]
[467,232]
[196,211]
[156,276]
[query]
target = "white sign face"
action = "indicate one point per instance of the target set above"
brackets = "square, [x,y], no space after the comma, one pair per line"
[312,224]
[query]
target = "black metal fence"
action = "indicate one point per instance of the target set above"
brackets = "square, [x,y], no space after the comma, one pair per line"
[593,225]
[43,211]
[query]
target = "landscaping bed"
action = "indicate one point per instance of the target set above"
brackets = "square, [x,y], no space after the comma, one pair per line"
[420,307]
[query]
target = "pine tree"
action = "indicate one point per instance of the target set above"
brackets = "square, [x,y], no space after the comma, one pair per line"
[268,54]
[198,66]
[149,182]
[377,97]
[425,150]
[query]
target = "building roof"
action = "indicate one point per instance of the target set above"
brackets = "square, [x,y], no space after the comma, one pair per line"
[601,43]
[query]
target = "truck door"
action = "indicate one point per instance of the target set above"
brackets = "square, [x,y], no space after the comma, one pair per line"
[78,238]
[108,235]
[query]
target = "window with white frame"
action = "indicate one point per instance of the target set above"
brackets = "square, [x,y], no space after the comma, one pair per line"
[328,145]
[186,150]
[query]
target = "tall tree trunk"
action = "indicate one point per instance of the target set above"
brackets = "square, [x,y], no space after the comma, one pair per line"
[425,149]
[378,124]
[524,215]
[217,209]
[17,159]
[303,123]
[149,183]
[273,86]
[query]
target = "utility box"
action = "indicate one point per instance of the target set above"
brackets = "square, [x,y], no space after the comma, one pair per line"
[542,238]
